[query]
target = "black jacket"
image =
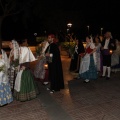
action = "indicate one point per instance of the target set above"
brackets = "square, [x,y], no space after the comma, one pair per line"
[110,47]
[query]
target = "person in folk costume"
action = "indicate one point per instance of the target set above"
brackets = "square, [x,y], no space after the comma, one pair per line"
[88,70]
[108,45]
[25,88]
[5,90]
[75,60]
[13,60]
[115,58]
[54,65]
[98,53]
[39,71]
[5,57]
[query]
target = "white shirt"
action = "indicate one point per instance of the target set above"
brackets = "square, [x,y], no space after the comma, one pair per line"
[76,48]
[106,43]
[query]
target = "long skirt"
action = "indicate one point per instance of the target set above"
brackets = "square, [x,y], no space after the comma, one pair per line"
[5,94]
[28,88]
[91,74]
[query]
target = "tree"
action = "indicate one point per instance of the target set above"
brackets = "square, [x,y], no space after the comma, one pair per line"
[10,8]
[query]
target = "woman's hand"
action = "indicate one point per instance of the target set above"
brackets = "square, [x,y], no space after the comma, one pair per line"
[82,54]
[23,68]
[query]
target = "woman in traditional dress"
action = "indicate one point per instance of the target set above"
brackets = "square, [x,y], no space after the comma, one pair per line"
[88,70]
[5,90]
[39,71]
[115,58]
[98,54]
[25,87]
[13,60]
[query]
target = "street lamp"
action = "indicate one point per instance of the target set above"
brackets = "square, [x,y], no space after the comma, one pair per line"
[88,28]
[69,25]
[101,29]
[35,34]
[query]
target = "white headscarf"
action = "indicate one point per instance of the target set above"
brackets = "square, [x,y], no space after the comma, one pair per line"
[16,49]
[5,58]
[92,46]
[26,55]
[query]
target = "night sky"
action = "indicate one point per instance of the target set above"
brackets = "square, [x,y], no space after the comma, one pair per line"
[52,16]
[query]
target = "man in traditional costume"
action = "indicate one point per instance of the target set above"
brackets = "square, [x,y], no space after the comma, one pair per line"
[54,65]
[108,45]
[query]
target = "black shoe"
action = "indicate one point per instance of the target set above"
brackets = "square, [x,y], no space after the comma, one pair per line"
[107,78]
[102,76]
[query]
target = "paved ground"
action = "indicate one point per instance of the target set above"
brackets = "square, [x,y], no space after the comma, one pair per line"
[97,100]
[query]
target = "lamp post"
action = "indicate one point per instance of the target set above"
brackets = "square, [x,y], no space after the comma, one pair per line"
[35,34]
[69,25]
[101,29]
[67,30]
[88,29]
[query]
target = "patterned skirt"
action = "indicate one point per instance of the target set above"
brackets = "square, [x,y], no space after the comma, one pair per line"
[39,71]
[11,75]
[28,88]
[91,74]
[5,94]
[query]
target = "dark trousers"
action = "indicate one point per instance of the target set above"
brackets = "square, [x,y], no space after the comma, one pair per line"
[107,60]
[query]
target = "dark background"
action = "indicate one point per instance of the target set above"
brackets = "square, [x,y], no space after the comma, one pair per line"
[44,17]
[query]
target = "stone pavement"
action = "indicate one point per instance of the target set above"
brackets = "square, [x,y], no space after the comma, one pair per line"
[97,100]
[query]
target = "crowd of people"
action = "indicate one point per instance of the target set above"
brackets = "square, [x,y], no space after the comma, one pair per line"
[17,80]
[98,56]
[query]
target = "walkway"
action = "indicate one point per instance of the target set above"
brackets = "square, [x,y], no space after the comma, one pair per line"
[97,100]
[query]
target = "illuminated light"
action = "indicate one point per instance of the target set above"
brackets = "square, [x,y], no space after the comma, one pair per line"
[69,24]
[46,66]
[111,51]
[35,34]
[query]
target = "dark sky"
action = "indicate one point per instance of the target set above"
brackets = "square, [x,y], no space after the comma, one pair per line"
[95,13]
[53,16]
